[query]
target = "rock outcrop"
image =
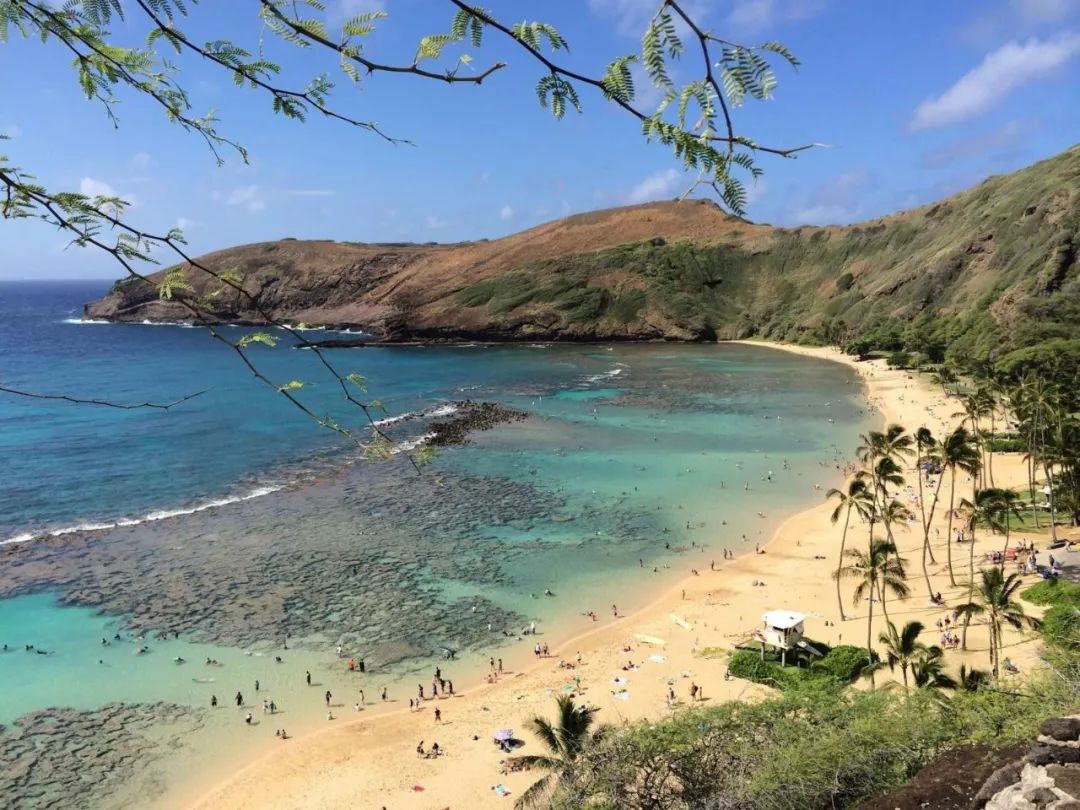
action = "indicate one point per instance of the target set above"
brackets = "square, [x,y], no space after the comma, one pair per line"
[1047,778]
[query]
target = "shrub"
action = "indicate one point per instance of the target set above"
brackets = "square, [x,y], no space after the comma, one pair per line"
[899,359]
[1053,592]
[1061,626]
[844,663]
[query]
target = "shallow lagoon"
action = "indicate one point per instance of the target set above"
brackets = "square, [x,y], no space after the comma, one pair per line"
[637,464]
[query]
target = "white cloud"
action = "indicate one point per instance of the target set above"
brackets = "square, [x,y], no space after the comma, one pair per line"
[185,224]
[10,131]
[249,197]
[755,190]
[1044,10]
[1004,137]
[1002,71]
[656,186]
[839,200]
[506,213]
[340,10]
[98,188]
[433,223]
[311,192]
[142,161]
[748,16]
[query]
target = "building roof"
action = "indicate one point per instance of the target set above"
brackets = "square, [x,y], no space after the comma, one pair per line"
[783,619]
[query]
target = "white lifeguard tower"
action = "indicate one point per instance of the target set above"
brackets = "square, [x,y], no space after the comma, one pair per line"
[783,629]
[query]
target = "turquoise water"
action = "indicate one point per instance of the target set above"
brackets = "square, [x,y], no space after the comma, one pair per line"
[636,464]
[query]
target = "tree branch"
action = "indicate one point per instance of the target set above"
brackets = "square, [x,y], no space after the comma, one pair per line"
[102,402]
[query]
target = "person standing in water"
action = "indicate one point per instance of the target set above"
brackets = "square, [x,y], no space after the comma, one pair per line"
[307,675]
[239,699]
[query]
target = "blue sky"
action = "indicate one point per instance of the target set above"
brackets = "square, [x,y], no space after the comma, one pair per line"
[916,100]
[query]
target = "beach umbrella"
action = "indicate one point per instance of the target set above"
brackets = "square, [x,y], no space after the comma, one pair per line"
[504,735]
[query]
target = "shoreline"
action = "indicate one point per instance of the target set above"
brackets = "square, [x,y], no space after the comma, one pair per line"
[300,768]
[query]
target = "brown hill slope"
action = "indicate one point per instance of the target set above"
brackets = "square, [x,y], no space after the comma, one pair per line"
[985,263]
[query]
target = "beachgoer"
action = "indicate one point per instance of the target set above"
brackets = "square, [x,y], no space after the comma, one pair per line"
[328,696]
[256,685]
[307,675]
[384,693]
[438,715]
[239,699]
[213,701]
[247,718]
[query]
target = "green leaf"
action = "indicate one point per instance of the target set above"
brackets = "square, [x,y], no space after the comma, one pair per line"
[264,338]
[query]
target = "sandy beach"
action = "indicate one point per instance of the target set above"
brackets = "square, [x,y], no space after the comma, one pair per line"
[373,762]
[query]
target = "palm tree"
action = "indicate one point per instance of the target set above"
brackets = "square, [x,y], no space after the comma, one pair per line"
[994,599]
[903,648]
[877,571]
[894,512]
[858,498]
[928,671]
[925,444]
[1005,501]
[959,451]
[972,680]
[565,740]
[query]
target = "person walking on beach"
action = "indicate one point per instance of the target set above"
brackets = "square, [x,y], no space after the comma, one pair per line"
[239,699]
[213,701]
[362,698]
[500,665]
[307,675]
[438,715]
[256,685]
[420,690]
[384,693]
[328,696]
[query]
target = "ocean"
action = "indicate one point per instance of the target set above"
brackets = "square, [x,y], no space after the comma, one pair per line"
[137,545]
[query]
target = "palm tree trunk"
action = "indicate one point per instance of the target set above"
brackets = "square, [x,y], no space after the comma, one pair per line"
[925,523]
[992,621]
[1006,551]
[990,451]
[963,632]
[971,564]
[1050,486]
[840,565]
[1031,481]
[949,538]
[870,638]
[881,596]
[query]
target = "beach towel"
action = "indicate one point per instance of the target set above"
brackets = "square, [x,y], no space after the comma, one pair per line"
[621,695]
[620,681]
[649,639]
[658,659]
[501,789]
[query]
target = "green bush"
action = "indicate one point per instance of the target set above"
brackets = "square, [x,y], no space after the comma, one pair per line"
[843,663]
[747,664]
[1052,592]
[1061,626]
[812,748]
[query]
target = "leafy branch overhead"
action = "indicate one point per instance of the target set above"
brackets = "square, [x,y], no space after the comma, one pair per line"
[693,120]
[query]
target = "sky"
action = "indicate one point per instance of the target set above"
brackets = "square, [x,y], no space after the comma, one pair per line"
[911,100]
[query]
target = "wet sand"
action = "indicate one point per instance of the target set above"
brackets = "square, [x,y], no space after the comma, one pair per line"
[374,762]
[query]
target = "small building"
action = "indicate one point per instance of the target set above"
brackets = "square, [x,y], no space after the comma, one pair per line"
[783,629]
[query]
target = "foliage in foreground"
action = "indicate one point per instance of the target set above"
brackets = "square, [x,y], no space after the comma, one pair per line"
[814,746]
